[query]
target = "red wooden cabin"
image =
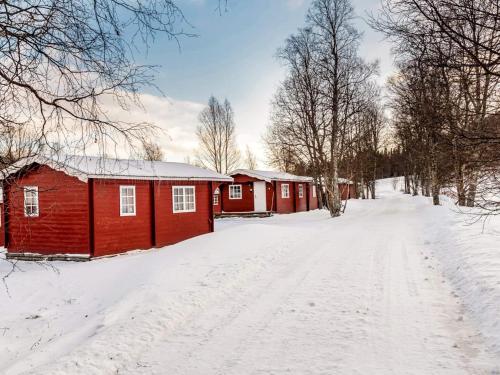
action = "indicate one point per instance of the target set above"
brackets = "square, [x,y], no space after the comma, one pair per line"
[265,191]
[84,207]
[347,189]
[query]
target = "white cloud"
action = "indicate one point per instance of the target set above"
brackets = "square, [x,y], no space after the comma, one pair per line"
[294,4]
[176,120]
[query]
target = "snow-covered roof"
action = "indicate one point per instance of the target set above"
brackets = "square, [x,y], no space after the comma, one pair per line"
[345,181]
[271,175]
[84,167]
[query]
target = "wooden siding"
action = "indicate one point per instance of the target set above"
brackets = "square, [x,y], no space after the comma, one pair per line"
[285,205]
[114,233]
[63,222]
[246,203]
[175,227]
[301,203]
[313,201]
[69,224]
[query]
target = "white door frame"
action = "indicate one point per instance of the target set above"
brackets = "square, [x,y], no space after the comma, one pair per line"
[259,196]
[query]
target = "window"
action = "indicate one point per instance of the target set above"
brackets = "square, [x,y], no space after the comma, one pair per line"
[216,199]
[301,191]
[183,199]
[314,191]
[31,208]
[127,200]
[235,192]
[285,191]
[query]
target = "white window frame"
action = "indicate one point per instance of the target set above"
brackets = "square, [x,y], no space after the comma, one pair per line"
[283,195]
[36,202]
[231,187]
[184,209]
[122,188]
[314,191]
[216,200]
[301,191]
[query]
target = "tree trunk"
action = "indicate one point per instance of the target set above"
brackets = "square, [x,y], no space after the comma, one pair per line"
[471,193]
[407,184]
[459,182]
[332,190]
[435,183]
[372,183]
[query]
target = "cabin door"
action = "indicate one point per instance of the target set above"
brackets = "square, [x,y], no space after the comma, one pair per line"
[259,196]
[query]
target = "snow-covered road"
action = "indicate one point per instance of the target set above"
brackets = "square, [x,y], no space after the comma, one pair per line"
[295,294]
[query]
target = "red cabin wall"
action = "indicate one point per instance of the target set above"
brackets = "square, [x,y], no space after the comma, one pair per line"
[2,225]
[217,208]
[63,225]
[284,205]
[344,191]
[114,233]
[313,201]
[270,196]
[175,227]
[352,191]
[63,222]
[246,203]
[300,203]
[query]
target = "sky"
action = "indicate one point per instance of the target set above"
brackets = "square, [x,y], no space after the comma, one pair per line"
[233,56]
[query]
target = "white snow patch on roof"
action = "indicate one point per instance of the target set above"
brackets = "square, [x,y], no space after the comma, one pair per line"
[271,175]
[85,167]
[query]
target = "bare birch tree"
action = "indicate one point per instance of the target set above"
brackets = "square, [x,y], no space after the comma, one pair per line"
[250,159]
[217,137]
[151,151]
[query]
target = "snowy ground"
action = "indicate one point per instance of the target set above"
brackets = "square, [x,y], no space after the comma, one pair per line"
[395,286]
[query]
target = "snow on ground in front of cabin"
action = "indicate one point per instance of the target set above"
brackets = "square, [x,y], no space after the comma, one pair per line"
[395,286]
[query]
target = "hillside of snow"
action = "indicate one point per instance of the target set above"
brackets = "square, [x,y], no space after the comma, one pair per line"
[394,286]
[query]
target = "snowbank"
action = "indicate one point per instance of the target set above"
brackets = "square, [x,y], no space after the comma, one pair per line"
[468,251]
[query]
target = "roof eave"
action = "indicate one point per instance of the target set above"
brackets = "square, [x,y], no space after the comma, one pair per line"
[161,178]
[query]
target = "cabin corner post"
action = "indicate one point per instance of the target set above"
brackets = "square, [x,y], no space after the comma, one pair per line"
[295,196]
[90,183]
[5,214]
[211,206]
[308,191]
[275,193]
[152,205]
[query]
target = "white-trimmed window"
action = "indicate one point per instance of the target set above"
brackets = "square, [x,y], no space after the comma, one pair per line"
[183,199]
[31,207]
[285,191]
[314,191]
[127,200]
[235,192]
[216,199]
[301,191]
